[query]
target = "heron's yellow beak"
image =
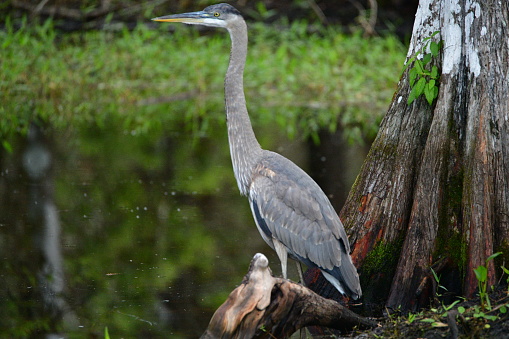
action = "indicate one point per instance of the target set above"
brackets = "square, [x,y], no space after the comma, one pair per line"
[187,18]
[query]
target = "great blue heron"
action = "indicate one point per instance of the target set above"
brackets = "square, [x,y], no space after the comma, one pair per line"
[292,213]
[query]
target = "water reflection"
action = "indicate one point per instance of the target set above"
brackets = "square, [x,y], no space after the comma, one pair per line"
[145,235]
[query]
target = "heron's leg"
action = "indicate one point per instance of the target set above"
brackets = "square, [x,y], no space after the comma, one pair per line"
[301,276]
[282,254]
[302,331]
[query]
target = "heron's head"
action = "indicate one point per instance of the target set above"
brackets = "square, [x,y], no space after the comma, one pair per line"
[219,15]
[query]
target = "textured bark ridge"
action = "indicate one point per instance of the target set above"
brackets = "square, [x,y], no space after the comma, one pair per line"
[434,190]
[267,307]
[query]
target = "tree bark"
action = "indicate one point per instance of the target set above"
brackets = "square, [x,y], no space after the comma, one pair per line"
[267,307]
[435,183]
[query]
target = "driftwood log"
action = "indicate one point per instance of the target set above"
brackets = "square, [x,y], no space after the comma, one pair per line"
[267,307]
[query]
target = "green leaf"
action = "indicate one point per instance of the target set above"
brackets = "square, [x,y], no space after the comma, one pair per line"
[434,72]
[447,308]
[417,90]
[461,309]
[435,275]
[429,95]
[490,317]
[412,75]
[481,273]
[411,97]
[503,309]
[493,256]
[429,92]
[426,59]
[435,92]
[428,320]
[419,66]
[439,324]
[106,334]
[7,146]
[434,48]
[419,86]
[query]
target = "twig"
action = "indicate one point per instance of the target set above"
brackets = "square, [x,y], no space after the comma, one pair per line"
[318,11]
[368,25]
[39,7]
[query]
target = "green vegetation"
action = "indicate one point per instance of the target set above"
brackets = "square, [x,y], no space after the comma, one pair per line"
[462,318]
[437,280]
[506,272]
[423,80]
[465,318]
[481,274]
[303,81]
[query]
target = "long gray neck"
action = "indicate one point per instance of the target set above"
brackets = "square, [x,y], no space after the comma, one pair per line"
[244,148]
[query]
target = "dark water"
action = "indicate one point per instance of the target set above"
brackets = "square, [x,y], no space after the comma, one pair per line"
[145,235]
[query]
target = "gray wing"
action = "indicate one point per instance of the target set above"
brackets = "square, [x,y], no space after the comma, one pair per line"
[294,209]
[290,206]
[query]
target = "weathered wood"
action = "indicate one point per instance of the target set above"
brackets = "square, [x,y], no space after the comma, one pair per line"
[436,181]
[267,307]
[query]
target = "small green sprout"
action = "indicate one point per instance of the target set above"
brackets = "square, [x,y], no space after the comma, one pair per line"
[421,79]
[481,273]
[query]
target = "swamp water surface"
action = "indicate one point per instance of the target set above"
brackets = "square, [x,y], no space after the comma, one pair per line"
[145,235]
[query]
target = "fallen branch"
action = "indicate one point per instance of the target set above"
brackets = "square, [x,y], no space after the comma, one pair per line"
[267,307]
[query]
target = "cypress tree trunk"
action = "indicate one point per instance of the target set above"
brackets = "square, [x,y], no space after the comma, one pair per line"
[434,189]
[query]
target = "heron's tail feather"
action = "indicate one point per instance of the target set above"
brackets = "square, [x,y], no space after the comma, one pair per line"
[345,278]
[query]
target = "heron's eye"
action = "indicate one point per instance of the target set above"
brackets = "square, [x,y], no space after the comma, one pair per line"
[216,14]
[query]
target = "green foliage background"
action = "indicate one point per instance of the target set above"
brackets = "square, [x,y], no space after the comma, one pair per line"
[302,81]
